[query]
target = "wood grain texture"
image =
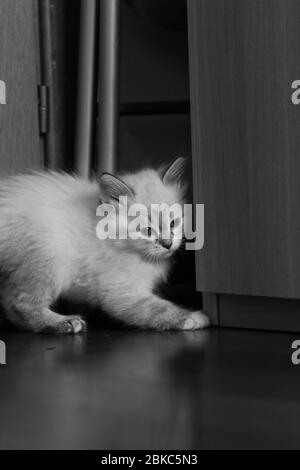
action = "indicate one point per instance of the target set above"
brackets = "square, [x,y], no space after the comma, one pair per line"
[20,145]
[246,144]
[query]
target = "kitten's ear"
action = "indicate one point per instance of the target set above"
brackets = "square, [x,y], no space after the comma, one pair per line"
[113,187]
[175,171]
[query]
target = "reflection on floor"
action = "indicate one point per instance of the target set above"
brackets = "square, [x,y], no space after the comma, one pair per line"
[144,390]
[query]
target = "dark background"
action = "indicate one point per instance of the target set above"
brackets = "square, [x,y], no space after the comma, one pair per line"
[154,80]
[154,124]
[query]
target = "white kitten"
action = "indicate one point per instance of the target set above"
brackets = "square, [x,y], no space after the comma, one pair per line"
[49,248]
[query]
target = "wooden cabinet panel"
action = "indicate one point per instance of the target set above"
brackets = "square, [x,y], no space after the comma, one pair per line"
[246,144]
[20,146]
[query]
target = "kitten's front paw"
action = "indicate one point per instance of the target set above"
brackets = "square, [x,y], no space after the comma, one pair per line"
[66,325]
[76,325]
[195,321]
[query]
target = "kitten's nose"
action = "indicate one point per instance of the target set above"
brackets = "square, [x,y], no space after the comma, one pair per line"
[166,243]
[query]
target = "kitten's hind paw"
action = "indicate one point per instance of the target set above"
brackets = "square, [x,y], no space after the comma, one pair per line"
[195,321]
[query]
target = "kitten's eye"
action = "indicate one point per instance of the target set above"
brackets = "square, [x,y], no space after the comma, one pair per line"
[148,232]
[175,223]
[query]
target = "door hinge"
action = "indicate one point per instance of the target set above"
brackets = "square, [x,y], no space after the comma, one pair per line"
[44,108]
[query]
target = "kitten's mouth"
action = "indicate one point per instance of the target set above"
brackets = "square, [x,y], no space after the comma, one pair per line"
[162,252]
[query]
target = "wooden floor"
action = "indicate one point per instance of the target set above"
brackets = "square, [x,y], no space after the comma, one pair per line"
[143,390]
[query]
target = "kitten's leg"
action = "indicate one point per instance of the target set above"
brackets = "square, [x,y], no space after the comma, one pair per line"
[160,314]
[26,314]
[28,291]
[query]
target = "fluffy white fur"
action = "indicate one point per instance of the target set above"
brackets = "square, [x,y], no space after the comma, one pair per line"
[49,248]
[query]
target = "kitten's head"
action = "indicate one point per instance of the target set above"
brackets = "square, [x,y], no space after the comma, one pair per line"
[154,220]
